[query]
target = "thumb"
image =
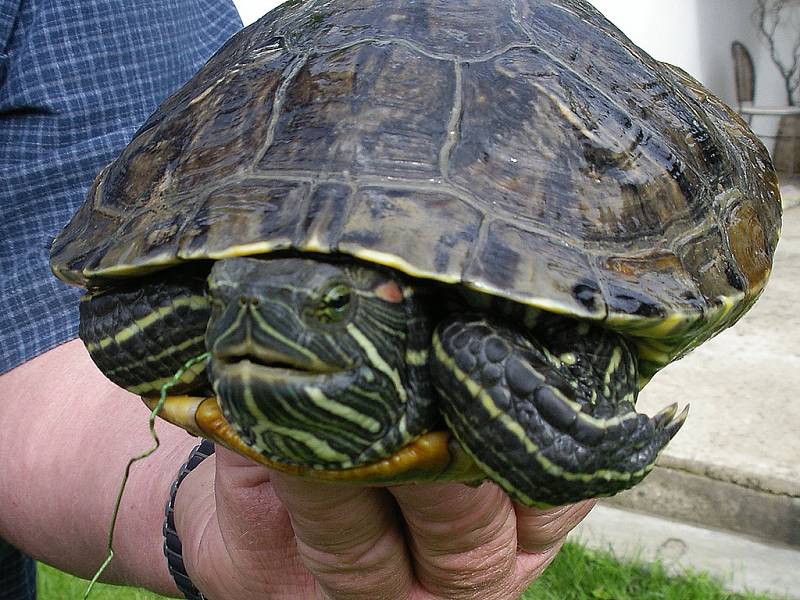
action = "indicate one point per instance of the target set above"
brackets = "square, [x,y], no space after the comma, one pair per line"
[236,534]
[348,537]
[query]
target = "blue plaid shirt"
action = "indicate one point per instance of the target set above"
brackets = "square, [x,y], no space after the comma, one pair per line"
[77,78]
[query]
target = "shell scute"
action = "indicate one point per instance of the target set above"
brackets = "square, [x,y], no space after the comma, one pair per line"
[364,110]
[326,215]
[206,138]
[706,256]
[751,251]
[565,155]
[517,263]
[226,214]
[384,222]
[632,282]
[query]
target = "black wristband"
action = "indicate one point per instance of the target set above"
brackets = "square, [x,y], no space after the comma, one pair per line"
[172,543]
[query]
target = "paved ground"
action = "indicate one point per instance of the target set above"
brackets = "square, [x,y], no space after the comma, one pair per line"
[735,465]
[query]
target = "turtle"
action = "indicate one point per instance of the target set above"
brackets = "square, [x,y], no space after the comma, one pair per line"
[381,242]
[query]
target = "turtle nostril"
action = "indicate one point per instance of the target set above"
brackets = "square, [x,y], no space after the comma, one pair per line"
[251,300]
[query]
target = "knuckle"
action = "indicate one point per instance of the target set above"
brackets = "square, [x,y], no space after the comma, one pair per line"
[540,530]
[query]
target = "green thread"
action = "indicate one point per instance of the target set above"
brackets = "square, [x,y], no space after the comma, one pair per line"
[156,442]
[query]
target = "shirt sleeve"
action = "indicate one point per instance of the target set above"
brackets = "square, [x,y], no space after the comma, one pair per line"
[77,78]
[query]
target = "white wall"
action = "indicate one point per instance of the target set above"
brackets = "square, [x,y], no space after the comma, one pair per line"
[667,31]
[250,10]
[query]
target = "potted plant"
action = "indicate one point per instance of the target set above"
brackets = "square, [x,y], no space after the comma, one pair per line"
[775,20]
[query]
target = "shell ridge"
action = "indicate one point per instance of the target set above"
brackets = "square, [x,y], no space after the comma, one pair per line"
[350,208]
[518,20]
[422,185]
[285,21]
[298,235]
[392,39]
[522,223]
[495,53]
[473,252]
[316,39]
[277,106]
[453,124]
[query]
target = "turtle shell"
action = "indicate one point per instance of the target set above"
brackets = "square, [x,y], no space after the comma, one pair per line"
[525,149]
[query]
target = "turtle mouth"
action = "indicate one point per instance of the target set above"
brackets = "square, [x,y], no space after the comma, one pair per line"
[270,362]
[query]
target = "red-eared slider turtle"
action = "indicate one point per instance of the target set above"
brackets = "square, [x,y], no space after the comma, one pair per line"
[388,222]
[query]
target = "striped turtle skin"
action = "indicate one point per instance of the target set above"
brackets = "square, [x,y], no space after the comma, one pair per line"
[517,166]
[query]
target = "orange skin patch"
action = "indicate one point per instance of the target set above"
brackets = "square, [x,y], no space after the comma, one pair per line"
[389,292]
[433,456]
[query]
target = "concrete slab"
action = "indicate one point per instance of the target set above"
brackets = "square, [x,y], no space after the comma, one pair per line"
[718,504]
[790,191]
[739,562]
[744,422]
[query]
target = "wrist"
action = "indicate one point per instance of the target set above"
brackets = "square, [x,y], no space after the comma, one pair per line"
[173,548]
[138,536]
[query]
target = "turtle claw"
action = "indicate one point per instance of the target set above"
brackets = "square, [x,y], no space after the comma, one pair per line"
[675,424]
[665,416]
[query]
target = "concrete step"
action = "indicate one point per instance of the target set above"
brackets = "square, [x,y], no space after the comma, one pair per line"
[701,500]
[740,562]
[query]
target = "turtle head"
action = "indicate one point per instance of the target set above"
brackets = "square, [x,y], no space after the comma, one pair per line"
[308,358]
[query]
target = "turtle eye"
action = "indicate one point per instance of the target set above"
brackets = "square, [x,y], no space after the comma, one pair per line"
[334,304]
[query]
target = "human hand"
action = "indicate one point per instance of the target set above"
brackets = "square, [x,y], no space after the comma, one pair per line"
[249,532]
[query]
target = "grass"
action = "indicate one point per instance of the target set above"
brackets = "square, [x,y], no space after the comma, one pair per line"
[576,574]
[52,584]
[582,574]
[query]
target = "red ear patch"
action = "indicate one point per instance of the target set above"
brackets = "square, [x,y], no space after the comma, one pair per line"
[389,291]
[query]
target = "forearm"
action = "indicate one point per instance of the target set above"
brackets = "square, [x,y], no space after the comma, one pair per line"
[67,434]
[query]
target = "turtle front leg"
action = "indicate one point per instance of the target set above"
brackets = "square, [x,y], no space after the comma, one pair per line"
[139,336]
[552,419]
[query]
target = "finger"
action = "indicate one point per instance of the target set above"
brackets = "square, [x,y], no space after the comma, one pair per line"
[237,538]
[540,535]
[462,539]
[538,530]
[253,518]
[531,565]
[348,537]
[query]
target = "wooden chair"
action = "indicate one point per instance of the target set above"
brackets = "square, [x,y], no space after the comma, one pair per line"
[786,149]
[745,77]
